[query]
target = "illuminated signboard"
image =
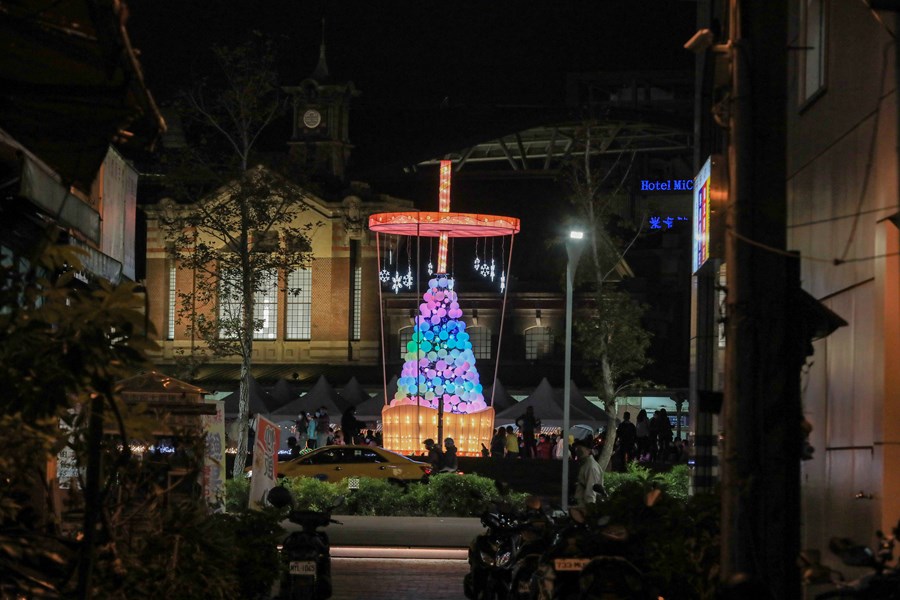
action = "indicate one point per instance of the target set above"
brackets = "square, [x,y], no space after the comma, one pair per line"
[709,194]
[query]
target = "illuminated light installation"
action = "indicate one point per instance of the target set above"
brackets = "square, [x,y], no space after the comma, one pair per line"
[439,380]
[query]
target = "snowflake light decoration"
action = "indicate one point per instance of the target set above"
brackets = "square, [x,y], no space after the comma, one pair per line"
[384,276]
[397,282]
[408,279]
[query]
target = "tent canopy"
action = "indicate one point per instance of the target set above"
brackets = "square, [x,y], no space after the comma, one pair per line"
[260,400]
[353,393]
[548,407]
[370,410]
[321,394]
[501,398]
[283,393]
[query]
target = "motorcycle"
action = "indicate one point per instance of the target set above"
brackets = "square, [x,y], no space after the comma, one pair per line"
[882,584]
[492,556]
[589,560]
[306,554]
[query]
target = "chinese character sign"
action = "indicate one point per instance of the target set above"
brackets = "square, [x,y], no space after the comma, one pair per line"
[212,476]
[265,460]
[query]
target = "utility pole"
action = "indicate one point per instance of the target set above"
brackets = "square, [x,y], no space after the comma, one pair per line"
[763,355]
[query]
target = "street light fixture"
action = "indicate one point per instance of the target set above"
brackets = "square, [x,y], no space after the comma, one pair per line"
[574,247]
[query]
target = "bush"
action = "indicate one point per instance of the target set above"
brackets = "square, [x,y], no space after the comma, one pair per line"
[678,535]
[237,494]
[444,495]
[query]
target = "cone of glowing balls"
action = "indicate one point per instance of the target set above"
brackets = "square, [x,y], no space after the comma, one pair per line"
[439,365]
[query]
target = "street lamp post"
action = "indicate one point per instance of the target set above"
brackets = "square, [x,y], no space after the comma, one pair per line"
[573,248]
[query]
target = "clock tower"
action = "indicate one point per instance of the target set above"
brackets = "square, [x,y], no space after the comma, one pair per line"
[320,142]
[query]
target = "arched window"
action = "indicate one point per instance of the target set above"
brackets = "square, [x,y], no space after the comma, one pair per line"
[481,342]
[538,343]
[405,337]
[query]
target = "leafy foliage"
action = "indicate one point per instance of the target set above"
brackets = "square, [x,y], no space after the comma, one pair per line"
[444,495]
[238,227]
[63,351]
[679,536]
[616,321]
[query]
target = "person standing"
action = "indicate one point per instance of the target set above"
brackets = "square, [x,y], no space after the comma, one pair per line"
[351,426]
[589,475]
[626,435]
[527,424]
[642,432]
[302,430]
[311,434]
[512,443]
[544,448]
[323,427]
[498,443]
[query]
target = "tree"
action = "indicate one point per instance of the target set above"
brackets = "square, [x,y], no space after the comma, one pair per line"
[63,350]
[611,339]
[238,230]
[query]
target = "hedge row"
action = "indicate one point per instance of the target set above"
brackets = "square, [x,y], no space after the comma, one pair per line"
[444,495]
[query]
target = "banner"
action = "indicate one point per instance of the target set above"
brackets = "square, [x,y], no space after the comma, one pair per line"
[265,460]
[212,477]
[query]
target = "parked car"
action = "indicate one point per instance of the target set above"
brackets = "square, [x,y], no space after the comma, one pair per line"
[332,463]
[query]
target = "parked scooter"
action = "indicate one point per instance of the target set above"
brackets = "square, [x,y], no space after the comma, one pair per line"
[306,554]
[882,584]
[587,560]
[492,556]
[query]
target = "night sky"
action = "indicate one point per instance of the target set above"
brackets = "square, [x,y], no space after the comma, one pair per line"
[495,67]
[435,77]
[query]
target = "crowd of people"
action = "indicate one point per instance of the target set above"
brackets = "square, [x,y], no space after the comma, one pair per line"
[314,430]
[646,440]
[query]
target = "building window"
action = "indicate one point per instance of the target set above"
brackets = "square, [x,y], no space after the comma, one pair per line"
[405,337]
[813,49]
[173,293]
[299,305]
[356,305]
[481,342]
[265,306]
[265,310]
[230,304]
[538,343]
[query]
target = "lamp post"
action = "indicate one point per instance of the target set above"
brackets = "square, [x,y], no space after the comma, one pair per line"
[573,248]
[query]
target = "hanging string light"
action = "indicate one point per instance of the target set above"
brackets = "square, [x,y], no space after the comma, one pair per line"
[477,260]
[492,259]
[384,275]
[503,261]
[408,279]
[430,249]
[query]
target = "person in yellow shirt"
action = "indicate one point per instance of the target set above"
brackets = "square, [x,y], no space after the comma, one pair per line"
[512,443]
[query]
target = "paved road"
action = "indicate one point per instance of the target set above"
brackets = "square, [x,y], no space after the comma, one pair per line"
[398,579]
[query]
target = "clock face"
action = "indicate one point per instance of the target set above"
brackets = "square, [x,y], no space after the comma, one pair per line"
[312,118]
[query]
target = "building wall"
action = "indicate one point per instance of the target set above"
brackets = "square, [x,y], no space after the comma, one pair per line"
[842,184]
[329,341]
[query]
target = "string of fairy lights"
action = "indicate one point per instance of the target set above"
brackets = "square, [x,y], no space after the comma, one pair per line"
[399,276]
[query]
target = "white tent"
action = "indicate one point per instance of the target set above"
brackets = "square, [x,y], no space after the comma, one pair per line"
[548,408]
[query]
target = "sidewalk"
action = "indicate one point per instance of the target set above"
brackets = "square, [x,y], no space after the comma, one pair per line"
[402,532]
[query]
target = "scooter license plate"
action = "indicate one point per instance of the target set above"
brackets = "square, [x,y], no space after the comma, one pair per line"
[303,567]
[570,564]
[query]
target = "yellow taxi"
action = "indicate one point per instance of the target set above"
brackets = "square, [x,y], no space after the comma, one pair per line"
[332,463]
